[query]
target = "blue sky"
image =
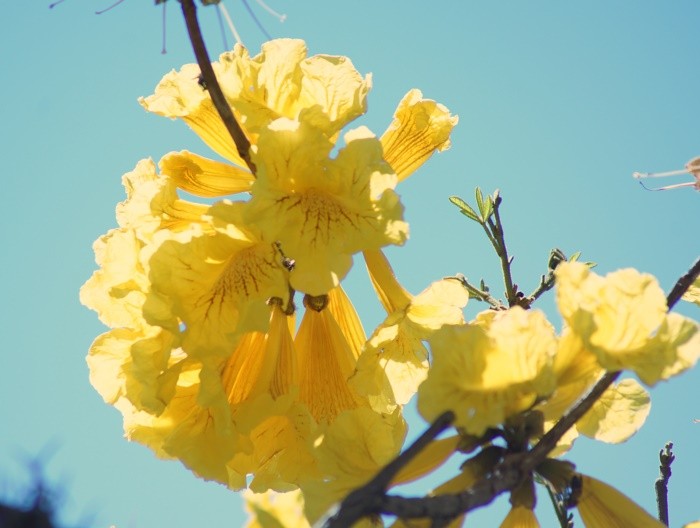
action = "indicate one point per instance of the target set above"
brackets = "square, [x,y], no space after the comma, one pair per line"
[559,103]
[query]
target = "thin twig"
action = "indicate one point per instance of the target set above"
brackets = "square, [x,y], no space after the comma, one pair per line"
[189,10]
[497,230]
[666,458]
[478,293]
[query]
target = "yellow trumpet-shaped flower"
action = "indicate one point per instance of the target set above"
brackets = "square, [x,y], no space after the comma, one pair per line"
[420,127]
[218,283]
[236,416]
[324,91]
[622,319]
[326,361]
[489,370]
[321,209]
[395,353]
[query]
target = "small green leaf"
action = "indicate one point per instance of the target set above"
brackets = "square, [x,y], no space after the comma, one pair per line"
[479,200]
[464,208]
[488,209]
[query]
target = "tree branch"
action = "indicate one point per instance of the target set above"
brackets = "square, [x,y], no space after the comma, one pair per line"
[189,10]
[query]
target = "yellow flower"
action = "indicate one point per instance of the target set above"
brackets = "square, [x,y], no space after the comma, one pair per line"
[200,358]
[218,283]
[236,416]
[395,353]
[324,91]
[275,510]
[614,417]
[323,209]
[489,370]
[602,506]
[420,127]
[622,319]
[326,361]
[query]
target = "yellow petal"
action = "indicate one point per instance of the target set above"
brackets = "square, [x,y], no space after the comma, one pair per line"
[326,361]
[117,290]
[152,203]
[179,94]
[218,284]
[322,210]
[693,293]
[520,517]
[488,371]
[350,452]
[622,319]
[602,506]
[617,414]
[195,427]
[428,460]
[204,177]
[391,294]
[420,127]
[348,321]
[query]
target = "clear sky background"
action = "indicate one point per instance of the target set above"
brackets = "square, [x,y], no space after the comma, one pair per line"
[559,102]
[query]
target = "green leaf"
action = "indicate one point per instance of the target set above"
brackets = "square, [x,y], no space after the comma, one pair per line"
[465,209]
[479,201]
[488,209]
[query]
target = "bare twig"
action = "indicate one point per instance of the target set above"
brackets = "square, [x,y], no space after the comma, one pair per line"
[496,228]
[189,10]
[666,458]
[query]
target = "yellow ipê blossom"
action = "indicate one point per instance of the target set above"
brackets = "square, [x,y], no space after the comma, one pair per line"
[622,319]
[323,209]
[200,358]
[350,452]
[396,353]
[490,369]
[218,280]
[420,127]
[324,91]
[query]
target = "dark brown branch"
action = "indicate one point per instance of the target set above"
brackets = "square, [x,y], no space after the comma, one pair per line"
[683,284]
[666,458]
[189,10]
[369,498]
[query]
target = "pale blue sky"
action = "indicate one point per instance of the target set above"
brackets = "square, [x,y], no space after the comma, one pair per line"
[559,103]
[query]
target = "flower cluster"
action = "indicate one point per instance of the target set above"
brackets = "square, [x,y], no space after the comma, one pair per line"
[204,358]
[509,374]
